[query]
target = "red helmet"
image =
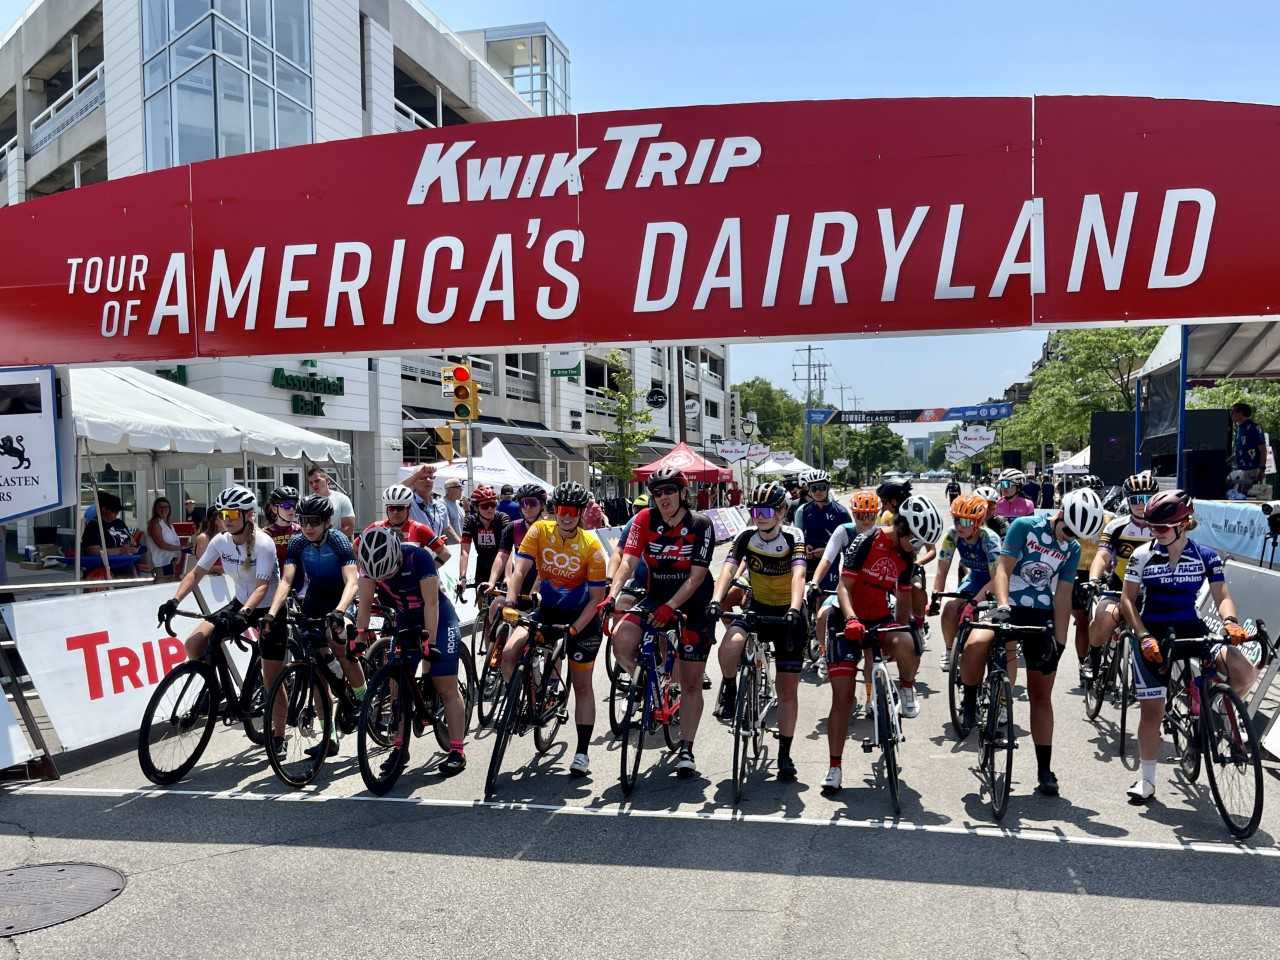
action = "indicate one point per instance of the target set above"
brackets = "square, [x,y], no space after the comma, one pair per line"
[1169,507]
[484,494]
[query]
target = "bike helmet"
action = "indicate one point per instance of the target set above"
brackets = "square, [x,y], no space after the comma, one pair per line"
[1170,507]
[865,503]
[641,500]
[315,506]
[922,519]
[791,480]
[816,476]
[987,493]
[236,498]
[894,490]
[1012,475]
[283,493]
[397,495]
[770,495]
[1082,513]
[1094,482]
[484,494]
[665,476]
[378,552]
[970,507]
[1141,483]
[531,491]
[570,494]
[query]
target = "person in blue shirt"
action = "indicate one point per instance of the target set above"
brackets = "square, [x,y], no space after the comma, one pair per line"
[1250,452]
[1032,584]
[507,503]
[405,579]
[817,518]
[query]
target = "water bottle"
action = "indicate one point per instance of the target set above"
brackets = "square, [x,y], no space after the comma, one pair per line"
[330,662]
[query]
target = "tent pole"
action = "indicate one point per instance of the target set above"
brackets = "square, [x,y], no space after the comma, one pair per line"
[1182,405]
[97,515]
[1137,426]
[77,513]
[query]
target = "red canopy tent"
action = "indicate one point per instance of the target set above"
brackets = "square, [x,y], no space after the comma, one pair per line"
[693,465]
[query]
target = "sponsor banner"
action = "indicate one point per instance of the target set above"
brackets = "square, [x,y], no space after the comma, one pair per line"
[820,416]
[727,522]
[30,480]
[14,748]
[802,219]
[982,411]
[976,438]
[1235,528]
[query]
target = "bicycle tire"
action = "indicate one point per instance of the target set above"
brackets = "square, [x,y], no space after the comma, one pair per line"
[375,657]
[552,698]
[671,698]
[389,715]
[489,692]
[759,699]
[955,685]
[888,742]
[1182,722]
[633,725]
[187,675]
[742,722]
[1125,681]
[1001,782]
[1095,691]
[504,726]
[1232,725]
[254,697]
[306,700]
[618,688]
[611,665]
[467,690]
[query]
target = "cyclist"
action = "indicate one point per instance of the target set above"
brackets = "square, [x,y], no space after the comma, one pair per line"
[875,565]
[817,520]
[569,562]
[640,575]
[397,501]
[797,494]
[1082,593]
[248,556]
[404,578]
[1032,585]
[772,553]
[531,501]
[1012,503]
[994,522]
[328,586]
[281,507]
[978,548]
[484,526]
[675,545]
[891,494]
[953,490]
[865,507]
[1169,571]
[1120,539]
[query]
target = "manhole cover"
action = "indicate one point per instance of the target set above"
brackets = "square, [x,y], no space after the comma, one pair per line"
[40,896]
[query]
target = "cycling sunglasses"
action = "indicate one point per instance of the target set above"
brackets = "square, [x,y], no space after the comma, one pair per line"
[1162,527]
[964,523]
[487,506]
[530,503]
[1139,499]
[567,511]
[819,487]
[286,505]
[231,514]
[665,490]
[1005,484]
[397,506]
[311,521]
[763,513]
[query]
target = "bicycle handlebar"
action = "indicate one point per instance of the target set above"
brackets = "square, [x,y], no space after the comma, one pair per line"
[168,621]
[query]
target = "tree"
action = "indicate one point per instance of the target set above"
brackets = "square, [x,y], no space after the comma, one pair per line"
[780,416]
[631,421]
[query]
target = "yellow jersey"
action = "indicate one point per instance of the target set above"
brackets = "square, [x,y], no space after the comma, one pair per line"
[568,567]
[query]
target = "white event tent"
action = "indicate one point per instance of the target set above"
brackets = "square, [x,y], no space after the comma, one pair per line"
[1077,463]
[774,465]
[495,466]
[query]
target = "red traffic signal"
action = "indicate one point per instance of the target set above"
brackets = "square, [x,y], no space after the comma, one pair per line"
[461,374]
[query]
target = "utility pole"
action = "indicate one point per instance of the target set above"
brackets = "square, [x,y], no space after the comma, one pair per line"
[680,412]
[809,371]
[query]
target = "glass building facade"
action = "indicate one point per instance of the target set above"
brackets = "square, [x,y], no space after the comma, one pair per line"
[222,77]
[534,61]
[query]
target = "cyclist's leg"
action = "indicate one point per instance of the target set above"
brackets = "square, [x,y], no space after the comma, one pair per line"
[271,647]
[512,651]
[842,675]
[730,655]
[974,658]
[582,651]
[1105,621]
[788,651]
[820,627]
[691,664]
[444,677]
[350,667]
[197,643]
[627,630]
[951,614]
[900,648]
[1235,666]
[1149,689]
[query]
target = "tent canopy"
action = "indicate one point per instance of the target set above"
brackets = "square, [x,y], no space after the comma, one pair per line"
[123,410]
[1077,463]
[774,465]
[688,461]
[1216,351]
[495,466]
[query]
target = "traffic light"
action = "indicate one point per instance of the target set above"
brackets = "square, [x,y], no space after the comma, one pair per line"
[444,443]
[466,395]
[1049,455]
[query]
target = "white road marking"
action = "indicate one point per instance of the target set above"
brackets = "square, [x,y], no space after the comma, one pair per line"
[717,816]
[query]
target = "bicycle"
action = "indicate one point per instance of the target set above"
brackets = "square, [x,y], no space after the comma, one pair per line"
[814,599]
[178,721]
[1208,720]
[653,698]
[1114,674]
[886,710]
[305,694]
[401,698]
[537,695]
[955,686]
[485,625]
[491,686]
[756,692]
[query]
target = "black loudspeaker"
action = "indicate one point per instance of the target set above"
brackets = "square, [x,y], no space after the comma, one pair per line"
[1206,474]
[1208,430]
[1011,458]
[1111,446]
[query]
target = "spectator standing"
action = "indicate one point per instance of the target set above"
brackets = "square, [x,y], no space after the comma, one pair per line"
[1046,493]
[427,507]
[1250,451]
[1031,489]
[164,548]
[344,514]
[189,510]
[593,517]
[508,505]
[453,504]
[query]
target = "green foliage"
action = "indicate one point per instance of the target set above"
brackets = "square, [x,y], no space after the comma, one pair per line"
[780,415]
[631,421]
[1262,395]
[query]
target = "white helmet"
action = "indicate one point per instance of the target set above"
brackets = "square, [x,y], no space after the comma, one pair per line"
[378,552]
[815,476]
[987,492]
[1013,474]
[397,495]
[922,519]
[236,498]
[1082,513]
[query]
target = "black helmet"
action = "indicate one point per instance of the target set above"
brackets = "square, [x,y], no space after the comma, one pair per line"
[283,493]
[894,490]
[664,476]
[315,506]
[1095,482]
[770,495]
[570,494]
[528,491]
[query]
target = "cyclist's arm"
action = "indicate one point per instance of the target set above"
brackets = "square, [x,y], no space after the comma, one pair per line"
[282,591]
[430,587]
[365,592]
[499,563]
[595,594]
[522,567]
[1000,579]
[350,584]
[1101,562]
[940,578]
[1221,596]
[843,598]
[820,571]
[188,583]
[724,579]
[463,556]
[1062,611]
[1129,606]
[797,585]
[930,552]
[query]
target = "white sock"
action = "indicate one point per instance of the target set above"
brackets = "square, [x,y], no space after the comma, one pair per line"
[1149,771]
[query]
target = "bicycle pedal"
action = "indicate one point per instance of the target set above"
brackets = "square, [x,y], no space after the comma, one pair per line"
[868,746]
[562,716]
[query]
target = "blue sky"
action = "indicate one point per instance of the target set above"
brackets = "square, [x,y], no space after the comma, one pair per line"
[713,51]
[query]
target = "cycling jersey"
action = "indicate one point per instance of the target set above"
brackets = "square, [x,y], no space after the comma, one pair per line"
[978,556]
[793,506]
[1121,537]
[1089,549]
[322,565]
[248,566]
[641,572]
[997,525]
[670,552]
[487,540]
[512,536]
[873,568]
[769,563]
[1170,594]
[568,567]
[1012,507]
[841,537]
[1042,561]
[403,593]
[818,521]
[281,534]
[411,531]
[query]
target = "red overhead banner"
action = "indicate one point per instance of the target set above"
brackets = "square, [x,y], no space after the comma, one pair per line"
[810,219]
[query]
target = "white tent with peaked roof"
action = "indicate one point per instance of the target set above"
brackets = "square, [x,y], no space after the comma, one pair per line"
[495,466]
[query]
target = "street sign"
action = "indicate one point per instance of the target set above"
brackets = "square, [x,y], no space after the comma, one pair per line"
[565,363]
[819,416]
[840,463]
[657,398]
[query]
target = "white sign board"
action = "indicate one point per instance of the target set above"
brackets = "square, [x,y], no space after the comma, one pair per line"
[733,450]
[29,478]
[840,463]
[14,748]
[976,437]
[954,454]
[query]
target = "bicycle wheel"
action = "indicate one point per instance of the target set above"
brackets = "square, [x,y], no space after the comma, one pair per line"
[491,687]
[610,661]
[1233,759]
[553,696]
[618,688]
[955,686]
[301,695]
[253,696]
[744,719]
[1124,681]
[178,722]
[1095,691]
[760,699]
[888,740]
[1000,744]
[382,739]
[504,726]
[634,727]
[1181,721]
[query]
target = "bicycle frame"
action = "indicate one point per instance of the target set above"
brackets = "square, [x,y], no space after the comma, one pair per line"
[880,670]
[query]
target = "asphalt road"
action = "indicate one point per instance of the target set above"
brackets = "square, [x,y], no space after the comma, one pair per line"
[230,864]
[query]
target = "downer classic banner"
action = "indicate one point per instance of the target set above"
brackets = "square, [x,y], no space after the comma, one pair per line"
[719,222]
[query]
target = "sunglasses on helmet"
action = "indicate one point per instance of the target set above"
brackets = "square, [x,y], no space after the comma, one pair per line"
[762,513]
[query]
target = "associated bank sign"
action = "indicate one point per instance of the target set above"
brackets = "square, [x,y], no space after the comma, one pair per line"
[29,479]
[304,383]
